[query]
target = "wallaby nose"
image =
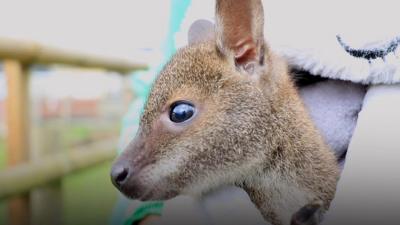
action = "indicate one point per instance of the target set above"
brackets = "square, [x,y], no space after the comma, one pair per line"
[119,174]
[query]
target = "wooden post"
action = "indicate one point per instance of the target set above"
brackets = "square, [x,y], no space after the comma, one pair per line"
[46,200]
[43,205]
[17,133]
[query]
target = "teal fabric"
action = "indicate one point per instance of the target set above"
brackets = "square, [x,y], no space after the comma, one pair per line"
[141,83]
[148,208]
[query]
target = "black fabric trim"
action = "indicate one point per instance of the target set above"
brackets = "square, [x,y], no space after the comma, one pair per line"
[380,51]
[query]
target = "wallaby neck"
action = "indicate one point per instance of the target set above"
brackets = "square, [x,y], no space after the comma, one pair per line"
[277,199]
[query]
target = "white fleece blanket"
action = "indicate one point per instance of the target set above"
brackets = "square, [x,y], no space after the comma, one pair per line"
[369,187]
[348,40]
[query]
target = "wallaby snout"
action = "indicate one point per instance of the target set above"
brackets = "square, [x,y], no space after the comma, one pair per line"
[135,172]
[120,173]
[124,177]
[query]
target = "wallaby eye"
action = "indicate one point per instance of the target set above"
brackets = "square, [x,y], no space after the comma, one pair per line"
[181,111]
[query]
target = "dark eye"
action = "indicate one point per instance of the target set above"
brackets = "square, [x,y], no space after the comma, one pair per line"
[181,111]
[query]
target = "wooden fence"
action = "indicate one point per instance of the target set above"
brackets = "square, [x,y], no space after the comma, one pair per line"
[23,174]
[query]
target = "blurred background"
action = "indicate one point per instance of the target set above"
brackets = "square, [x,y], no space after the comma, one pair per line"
[73,79]
[74,75]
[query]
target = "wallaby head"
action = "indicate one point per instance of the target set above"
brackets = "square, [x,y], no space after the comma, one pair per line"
[222,112]
[206,113]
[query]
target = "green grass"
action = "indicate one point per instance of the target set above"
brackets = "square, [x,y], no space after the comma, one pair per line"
[3,219]
[64,135]
[89,197]
[76,133]
[2,153]
[2,164]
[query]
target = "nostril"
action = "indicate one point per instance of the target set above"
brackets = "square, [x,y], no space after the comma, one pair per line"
[119,174]
[122,175]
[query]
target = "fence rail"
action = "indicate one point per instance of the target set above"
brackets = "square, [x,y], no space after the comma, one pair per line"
[22,178]
[31,52]
[23,174]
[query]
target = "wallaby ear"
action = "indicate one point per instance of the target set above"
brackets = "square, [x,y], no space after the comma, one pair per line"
[239,32]
[201,30]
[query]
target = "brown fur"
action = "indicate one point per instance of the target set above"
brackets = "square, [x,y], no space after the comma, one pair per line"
[250,130]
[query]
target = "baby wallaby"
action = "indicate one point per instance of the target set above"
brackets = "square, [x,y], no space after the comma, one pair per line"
[225,112]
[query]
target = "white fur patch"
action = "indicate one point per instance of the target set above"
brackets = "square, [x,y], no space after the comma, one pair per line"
[293,200]
[168,165]
[216,179]
[286,199]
